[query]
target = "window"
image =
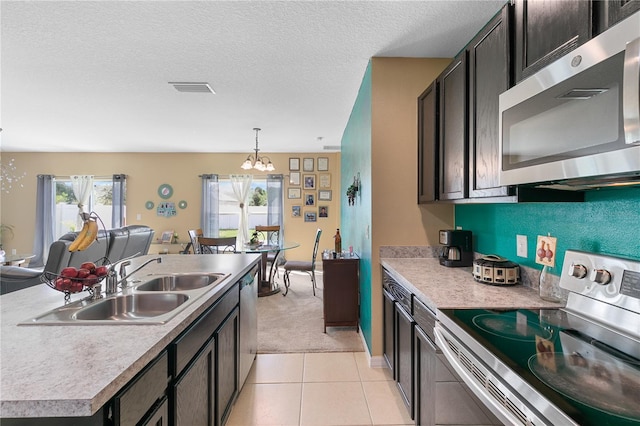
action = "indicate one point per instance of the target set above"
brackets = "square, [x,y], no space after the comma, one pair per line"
[66,204]
[220,215]
[230,211]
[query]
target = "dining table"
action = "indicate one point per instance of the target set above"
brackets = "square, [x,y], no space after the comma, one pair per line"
[17,259]
[268,286]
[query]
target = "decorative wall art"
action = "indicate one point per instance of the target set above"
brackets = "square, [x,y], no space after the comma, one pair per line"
[323,211]
[166,209]
[149,205]
[309,181]
[324,180]
[324,195]
[294,163]
[309,216]
[165,191]
[182,204]
[309,199]
[323,164]
[307,165]
[294,178]
[295,211]
[294,193]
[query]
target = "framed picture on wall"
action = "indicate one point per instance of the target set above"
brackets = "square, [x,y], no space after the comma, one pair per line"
[309,216]
[309,181]
[325,180]
[324,195]
[294,193]
[309,199]
[323,164]
[294,178]
[294,163]
[295,211]
[323,211]
[307,165]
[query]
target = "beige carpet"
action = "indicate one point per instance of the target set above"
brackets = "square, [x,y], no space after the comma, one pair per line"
[294,323]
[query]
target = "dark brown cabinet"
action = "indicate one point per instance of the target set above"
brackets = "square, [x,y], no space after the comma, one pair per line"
[425,385]
[428,144]
[388,308]
[609,13]
[195,388]
[204,364]
[489,76]
[404,355]
[341,294]
[545,30]
[227,357]
[453,163]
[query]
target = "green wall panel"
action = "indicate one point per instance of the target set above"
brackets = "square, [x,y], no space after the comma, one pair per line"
[607,222]
[355,157]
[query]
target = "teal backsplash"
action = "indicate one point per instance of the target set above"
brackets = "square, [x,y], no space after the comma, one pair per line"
[607,222]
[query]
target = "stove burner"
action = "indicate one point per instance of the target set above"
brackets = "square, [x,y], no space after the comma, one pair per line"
[507,327]
[612,387]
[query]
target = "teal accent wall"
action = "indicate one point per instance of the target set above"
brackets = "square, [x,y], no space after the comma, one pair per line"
[355,158]
[607,222]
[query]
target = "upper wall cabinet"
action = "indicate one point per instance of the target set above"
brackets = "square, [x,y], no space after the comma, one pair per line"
[489,76]
[610,12]
[453,161]
[428,144]
[546,30]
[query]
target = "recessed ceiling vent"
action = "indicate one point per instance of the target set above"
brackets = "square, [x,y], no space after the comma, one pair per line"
[331,147]
[192,87]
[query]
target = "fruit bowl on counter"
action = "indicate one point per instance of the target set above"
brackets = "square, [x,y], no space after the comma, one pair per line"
[74,280]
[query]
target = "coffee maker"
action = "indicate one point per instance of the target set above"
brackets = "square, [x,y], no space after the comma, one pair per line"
[457,248]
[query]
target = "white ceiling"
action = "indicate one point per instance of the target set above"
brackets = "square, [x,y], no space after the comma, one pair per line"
[92,76]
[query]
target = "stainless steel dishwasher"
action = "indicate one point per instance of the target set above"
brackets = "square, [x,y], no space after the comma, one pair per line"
[248,322]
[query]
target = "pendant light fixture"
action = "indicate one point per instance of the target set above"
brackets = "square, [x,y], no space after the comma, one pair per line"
[256,162]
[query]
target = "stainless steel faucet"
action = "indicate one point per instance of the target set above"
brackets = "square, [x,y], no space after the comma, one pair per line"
[112,279]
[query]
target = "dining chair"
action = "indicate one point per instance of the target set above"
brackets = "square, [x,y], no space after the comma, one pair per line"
[194,234]
[208,245]
[303,266]
[271,236]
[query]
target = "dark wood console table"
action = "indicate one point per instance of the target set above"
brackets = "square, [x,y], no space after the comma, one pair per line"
[341,296]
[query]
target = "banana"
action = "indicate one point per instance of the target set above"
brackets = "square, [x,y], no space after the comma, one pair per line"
[86,236]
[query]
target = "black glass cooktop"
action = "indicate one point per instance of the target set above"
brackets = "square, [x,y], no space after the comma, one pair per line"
[590,378]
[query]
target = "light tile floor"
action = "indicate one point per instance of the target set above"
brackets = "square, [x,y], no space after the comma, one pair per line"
[324,389]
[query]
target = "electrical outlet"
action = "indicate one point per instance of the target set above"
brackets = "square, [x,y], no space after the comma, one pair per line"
[138,216]
[521,245]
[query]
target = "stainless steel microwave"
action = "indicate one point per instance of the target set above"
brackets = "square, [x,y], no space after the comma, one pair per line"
[576,122]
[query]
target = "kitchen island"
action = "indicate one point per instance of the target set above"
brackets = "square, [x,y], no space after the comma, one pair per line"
[74,371]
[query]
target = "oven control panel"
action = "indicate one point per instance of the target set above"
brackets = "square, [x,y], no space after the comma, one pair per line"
[613,280]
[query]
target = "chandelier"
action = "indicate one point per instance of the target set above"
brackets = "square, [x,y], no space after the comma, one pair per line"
[256,162]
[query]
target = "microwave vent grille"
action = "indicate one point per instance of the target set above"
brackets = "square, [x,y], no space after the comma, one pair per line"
[581,93]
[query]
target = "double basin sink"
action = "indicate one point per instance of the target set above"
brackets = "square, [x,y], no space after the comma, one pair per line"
[154,300]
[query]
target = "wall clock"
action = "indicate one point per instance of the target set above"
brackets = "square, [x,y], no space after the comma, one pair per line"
[165,191]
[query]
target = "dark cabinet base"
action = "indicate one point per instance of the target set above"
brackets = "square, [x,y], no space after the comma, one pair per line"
[341,298]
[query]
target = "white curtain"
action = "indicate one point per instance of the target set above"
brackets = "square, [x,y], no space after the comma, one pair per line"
[241,185]
[82,186]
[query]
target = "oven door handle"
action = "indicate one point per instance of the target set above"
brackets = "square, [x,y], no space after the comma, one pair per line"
[496,408]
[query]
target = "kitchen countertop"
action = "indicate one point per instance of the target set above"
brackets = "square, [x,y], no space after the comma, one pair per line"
[68,370]
[441,287]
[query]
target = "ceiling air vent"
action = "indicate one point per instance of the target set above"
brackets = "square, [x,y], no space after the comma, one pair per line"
[331,147]
[192,87]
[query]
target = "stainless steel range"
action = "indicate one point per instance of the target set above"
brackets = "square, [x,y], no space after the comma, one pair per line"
[579,365]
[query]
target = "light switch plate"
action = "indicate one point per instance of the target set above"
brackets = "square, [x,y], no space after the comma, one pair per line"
[521,245]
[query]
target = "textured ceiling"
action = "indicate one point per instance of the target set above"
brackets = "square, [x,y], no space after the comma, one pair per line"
[93,75]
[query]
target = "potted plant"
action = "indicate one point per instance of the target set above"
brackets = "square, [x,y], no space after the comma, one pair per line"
[351,194]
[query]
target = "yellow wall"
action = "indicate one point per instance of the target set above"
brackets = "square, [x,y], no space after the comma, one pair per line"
[145,172]
[397,219]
